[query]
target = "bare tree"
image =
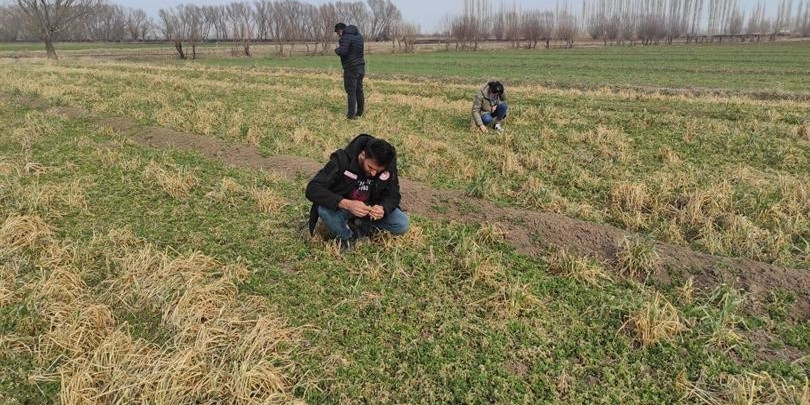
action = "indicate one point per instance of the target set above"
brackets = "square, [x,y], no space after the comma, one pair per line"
[137,21]
[172,29]
[10,27]
[469,29]
[106,22]
[735,21]
[781,24]
[513,29]
[382,16]
[499,23]
[803,20]
[241,17]
[355,13]
[566,25]
[48,17]
[533,28]
[325,21]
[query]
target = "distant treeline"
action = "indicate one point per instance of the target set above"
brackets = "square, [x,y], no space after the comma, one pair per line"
[187,25]
[625,21]
[287,22]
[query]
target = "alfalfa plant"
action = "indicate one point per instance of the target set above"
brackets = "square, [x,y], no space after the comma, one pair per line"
[657,320]
[637,258]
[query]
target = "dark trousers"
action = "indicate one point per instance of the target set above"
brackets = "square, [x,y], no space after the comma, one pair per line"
[353,83]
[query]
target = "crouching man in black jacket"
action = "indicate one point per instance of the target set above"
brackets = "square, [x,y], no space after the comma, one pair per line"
[358,192]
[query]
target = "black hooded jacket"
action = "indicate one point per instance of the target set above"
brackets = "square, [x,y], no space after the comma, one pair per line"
[350,48]
[338,179]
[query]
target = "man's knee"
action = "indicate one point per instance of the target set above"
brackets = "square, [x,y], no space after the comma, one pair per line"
[501,110]
[399,224]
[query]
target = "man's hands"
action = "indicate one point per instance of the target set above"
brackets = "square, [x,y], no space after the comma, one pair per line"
[377,212]
[361,210]
[483,128]
[493,108]
[357,208]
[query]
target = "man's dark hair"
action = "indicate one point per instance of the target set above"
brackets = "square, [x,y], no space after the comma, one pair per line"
[340,26]
[380,151]
[495,87]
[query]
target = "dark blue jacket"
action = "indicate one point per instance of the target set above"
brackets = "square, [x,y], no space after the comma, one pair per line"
[350,48]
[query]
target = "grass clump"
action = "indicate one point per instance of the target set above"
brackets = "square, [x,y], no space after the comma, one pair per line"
[175,181]
[584,269]
[23,231]
[657,320]
[637,258]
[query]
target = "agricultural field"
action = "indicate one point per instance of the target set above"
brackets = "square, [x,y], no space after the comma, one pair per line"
[639,233]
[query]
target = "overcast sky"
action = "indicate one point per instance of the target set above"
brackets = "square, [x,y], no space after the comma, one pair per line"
[427,13]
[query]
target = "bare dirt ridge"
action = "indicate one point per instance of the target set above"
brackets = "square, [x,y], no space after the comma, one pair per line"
[530,232]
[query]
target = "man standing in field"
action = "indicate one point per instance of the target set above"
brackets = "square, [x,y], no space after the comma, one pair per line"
[489,106]
[357,192]
[350,50]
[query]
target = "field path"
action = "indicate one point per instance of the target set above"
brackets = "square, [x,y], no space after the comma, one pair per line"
[531,232]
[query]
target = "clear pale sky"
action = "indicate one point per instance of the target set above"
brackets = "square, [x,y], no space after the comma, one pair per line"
[427,13]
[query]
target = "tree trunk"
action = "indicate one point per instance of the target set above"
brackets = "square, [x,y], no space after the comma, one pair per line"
[179,47]
[48,39]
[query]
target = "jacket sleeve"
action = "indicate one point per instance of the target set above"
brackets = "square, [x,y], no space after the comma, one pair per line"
[476,109]
[390,198]
[344,44]
[318,188]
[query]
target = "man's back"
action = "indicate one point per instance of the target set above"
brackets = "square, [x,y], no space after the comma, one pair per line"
[350,48]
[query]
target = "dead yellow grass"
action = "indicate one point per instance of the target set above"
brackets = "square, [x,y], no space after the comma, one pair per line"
[657,320]
[224,350]
[175,181]
[803,131]
[612,143]
[750,388]
[23,231]
[577,267]
[266,199]
[512,299]
[669,156]
[54,196]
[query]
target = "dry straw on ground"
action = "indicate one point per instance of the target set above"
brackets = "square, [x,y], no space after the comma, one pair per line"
[577,267]
[175,181]
[657,320]
[220,348]
[23,231]
[750,388]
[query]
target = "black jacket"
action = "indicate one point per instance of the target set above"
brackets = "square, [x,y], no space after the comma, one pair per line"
[333,183]
[350,48]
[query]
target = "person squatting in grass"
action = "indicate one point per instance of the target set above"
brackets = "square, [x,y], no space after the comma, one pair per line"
[489,106]
[357,192]
[350,50]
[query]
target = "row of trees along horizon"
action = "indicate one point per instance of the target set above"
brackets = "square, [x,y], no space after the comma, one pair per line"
[287,22]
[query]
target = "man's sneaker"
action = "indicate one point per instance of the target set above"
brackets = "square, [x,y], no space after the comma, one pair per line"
[498,127]
[345,245]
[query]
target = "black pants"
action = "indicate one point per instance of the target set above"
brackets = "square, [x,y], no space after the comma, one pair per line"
[353,83]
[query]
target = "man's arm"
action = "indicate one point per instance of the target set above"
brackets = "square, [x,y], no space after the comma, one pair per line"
[503,95]
[476,109]
[343,46]
[318,188]
[390,197]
